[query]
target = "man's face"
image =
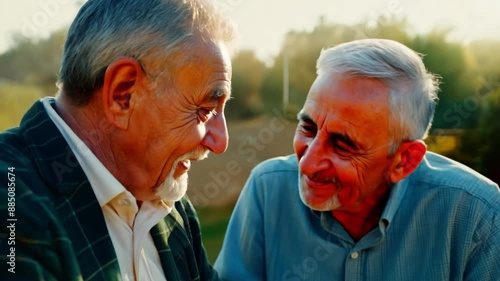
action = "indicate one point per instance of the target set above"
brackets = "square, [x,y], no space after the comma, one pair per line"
[342,142]
[184,120]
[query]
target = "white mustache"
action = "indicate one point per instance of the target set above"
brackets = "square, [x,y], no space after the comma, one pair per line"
[196,155]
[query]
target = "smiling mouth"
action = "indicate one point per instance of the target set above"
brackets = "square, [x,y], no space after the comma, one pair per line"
[319,184]
[320,188]
[182,167]
[185,164]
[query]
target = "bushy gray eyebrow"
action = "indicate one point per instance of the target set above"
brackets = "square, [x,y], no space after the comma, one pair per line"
[304,117]
[218,93]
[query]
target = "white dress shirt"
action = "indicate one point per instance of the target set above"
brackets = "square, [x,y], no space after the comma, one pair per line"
[128,225]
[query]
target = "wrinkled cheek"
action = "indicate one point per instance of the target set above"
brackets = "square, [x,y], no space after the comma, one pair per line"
[347,176]
[347,195]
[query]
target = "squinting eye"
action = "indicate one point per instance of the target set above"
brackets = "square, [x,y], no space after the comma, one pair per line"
[306,127]
[341,147]
[205,114]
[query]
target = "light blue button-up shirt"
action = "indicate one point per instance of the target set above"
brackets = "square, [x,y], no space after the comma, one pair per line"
[440,223]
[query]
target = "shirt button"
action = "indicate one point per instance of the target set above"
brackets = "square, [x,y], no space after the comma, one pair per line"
[354,255]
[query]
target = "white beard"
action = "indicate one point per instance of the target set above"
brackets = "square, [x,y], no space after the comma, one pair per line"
[173,189]
[331,204]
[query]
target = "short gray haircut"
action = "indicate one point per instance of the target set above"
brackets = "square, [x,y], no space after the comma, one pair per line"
[412,89]
[105,30]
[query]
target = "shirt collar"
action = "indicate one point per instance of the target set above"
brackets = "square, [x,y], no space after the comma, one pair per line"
[395,198]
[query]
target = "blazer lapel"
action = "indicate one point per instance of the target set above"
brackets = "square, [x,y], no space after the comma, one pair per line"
[174,247]
[74,199]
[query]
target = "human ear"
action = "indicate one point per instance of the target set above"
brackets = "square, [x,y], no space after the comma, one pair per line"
[406,159]
[122,81]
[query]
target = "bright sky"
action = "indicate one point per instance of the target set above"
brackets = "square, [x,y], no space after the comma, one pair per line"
[262,23]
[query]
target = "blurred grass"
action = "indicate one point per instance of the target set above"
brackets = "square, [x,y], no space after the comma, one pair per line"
[16,99]
[214,221]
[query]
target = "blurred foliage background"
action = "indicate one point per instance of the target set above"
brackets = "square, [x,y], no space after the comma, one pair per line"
[465,127]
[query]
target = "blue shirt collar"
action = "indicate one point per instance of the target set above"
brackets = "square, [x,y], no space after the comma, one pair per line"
[397,193]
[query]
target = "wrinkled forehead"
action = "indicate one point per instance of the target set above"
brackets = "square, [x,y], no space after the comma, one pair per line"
[357,108]
[198,53]
[359,99]
[349,87]
[215,52]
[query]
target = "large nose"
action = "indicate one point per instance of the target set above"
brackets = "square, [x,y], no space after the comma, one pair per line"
[315,158]
[216,137]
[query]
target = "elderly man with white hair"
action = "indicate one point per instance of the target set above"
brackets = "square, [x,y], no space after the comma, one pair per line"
[362,199]
[97,176]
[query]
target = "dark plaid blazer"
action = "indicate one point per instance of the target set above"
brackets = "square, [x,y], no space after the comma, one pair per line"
[60,232]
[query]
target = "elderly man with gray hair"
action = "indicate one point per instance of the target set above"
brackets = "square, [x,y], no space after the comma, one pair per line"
[97,176]
[362,199]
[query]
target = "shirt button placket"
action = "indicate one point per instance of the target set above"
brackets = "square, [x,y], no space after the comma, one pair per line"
[353,267]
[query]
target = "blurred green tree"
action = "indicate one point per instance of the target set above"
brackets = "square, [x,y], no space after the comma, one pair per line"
[15,100]
[248,72]
[488,136]
[34,62]
[302,48]
[478,147]
[448,59]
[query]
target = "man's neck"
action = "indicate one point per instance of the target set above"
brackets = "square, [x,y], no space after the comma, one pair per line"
[89,126]
[105,142]
[361,221]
